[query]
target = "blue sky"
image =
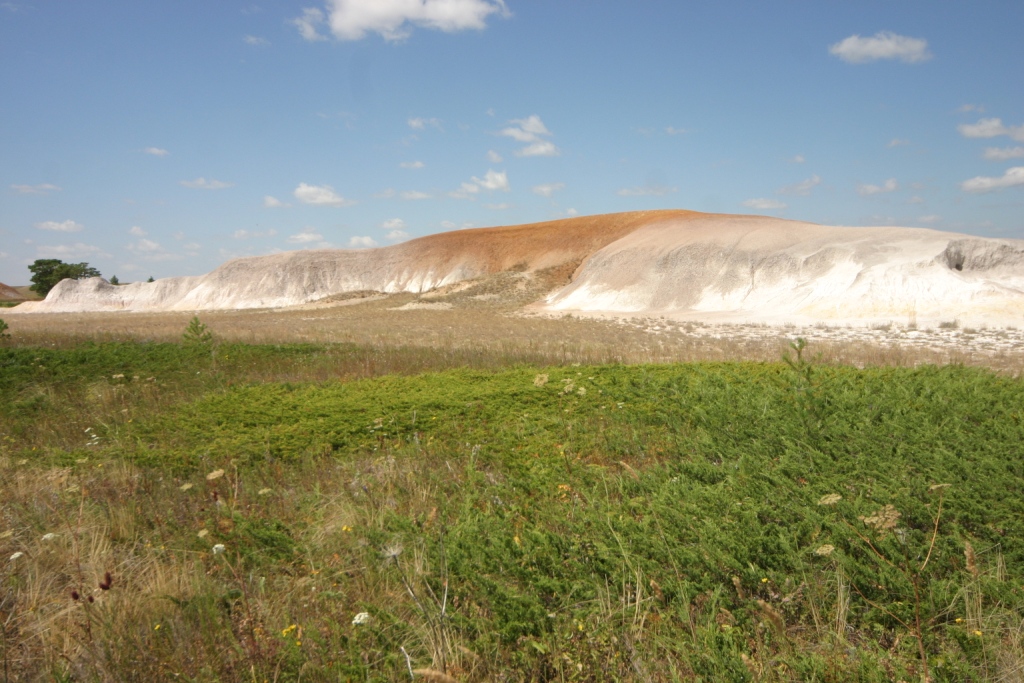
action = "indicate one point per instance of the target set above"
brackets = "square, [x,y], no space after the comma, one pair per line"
[163,138]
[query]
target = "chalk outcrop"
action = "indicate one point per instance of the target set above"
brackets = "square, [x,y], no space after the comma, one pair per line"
[679,264]
[8,293]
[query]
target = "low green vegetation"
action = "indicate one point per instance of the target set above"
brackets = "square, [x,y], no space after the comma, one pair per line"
[343,513]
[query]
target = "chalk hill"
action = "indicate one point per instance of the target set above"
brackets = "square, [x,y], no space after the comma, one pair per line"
[673,263]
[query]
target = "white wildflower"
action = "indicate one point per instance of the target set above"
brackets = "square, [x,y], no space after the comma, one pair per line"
[263,492]
[218,549]
[216,474]
[49,537]
[17,555]
[185,487]
[361,618]
[203,533]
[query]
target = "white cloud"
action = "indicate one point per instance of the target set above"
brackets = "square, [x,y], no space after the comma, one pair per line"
[411,164]
[63,226]
[798,159]
[421,124]
[397,235]
[671,130]
[362,242]
[492,181]
[897,142]
[256,41]
[393,224]
[451,225]
[498,207]
[35,189]
[494,157]
[930,219]
[889,185]
[413,195]
[4,254]
[307,236]
[966,108]
[70,251]
[571,212]
[385,194]
[137,231]
[530,130]
[308,22]
[274,203]
[882,45]
[547,189]
[647,191]
[1013,177]
[320,195]
[192,248]
[803,188]
[204,184]
[764,204]
[990,128]
[1003,154]
[915,200]
[156,151]
[394,19]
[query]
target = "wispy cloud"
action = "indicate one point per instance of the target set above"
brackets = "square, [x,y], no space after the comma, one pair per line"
[256,41]
[672,130]
[137,231]
[274,203]
[990,128]
[204,184]
[889,185]
[149,250]
[308,23]
[413,195]
[1004,153]
[42,188]
[394,20]
[61,226]
[421,124]
[1013,177]
[307,236]
[547,189]
[897,142]
[320,195]
[798,159]
[246,234]
[966,108]
[411,165]
[393,224]
[155,151]
[70,251]
[531,130]
[930,219]
[494,157]
[364,242]
[397,235]
[764,204]
[803,188]
[882,45]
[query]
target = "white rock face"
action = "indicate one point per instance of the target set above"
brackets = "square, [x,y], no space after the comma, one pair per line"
[676,264]
[755,269]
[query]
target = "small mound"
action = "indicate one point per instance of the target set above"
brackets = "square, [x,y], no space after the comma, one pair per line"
[8,293]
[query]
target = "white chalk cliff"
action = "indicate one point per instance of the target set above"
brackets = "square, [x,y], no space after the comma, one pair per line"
[678,264]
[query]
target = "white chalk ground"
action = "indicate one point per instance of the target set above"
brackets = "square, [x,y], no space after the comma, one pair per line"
[735,269]
[707,268]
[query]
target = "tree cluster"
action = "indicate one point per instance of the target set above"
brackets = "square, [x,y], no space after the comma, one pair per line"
[46,273]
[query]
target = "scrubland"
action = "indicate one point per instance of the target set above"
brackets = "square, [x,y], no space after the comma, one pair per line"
[468,496]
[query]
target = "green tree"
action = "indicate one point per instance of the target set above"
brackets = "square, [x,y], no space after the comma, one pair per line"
[47,272]
[114,280]
[150,279]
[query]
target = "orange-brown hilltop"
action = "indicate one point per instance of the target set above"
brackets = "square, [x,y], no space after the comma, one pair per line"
[535,246]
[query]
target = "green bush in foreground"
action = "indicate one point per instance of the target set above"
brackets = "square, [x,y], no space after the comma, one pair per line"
[690,522]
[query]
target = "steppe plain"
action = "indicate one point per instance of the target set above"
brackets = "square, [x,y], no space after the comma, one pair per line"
[459,484]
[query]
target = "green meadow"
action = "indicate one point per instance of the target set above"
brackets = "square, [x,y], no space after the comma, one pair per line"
[231,512]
